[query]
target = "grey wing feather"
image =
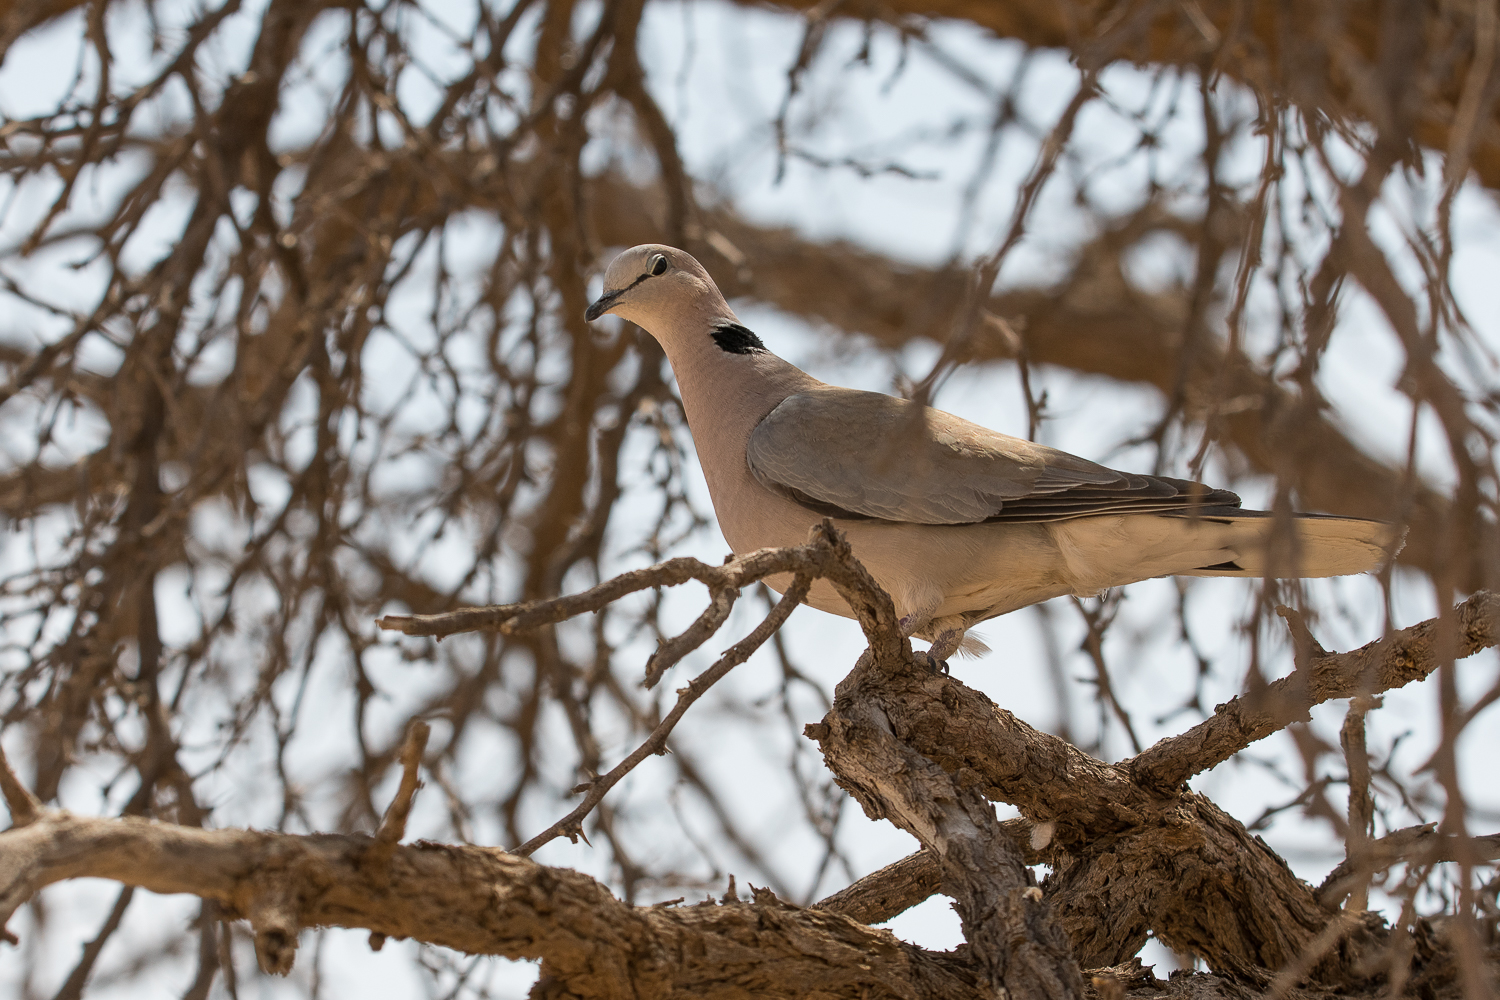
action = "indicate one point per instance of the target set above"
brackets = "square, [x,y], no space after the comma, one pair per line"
[848,453]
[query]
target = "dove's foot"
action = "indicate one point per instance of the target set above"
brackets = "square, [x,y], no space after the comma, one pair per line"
[936,665]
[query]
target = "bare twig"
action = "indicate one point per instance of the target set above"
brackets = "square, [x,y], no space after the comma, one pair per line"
[393,824]
[1418,845]
[24,806]
[571,825]
[670,652]
[511,619]
[72,988]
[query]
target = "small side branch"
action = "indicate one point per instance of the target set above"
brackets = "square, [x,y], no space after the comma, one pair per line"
[25,808]
[816,559]
[571,825]
[673,650]
[1403,657]
[393,824]
[889,891]
[900,885]
[1421,845]
[825,556]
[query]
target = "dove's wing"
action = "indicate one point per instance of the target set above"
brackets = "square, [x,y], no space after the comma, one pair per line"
[848,453]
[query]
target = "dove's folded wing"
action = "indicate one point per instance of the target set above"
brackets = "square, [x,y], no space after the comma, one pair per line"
[853,454]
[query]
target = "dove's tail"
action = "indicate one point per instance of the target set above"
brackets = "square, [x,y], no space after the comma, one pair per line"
[1324,545]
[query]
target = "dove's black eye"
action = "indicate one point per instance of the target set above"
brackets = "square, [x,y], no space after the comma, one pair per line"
[659,264]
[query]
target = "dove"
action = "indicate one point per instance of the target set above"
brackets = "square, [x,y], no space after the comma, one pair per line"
[957,522]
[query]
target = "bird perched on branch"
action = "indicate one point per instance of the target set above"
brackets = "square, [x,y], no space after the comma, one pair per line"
[957,522]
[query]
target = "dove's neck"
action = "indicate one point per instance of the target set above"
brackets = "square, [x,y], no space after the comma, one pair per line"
[728,382]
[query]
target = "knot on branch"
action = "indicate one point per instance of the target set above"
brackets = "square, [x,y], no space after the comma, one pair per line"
[274,917]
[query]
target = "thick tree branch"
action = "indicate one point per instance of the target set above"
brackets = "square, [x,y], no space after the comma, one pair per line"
[1018,947]
[1133,857]
[481,902]
[1012,934]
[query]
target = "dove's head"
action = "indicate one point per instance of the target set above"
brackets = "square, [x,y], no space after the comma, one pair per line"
[661,289]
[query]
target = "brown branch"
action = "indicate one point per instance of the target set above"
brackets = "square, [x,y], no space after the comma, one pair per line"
[1361,803]
[72,987]
[1015,941]
[481,901]
[1018,946]
[24,807]
[393,824]
[673,650]
[1047,778]
[900,885]
[888,891]
[275,913]
[1407,655]
[1300,53]
[1421,845]
[825,556]
[1132,859]
[1128,861]
[509,619]
[571,825]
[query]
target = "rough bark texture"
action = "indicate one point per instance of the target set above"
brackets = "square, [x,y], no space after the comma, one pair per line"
[1012,935]
[483,902]
[1132,856]
[486,902]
